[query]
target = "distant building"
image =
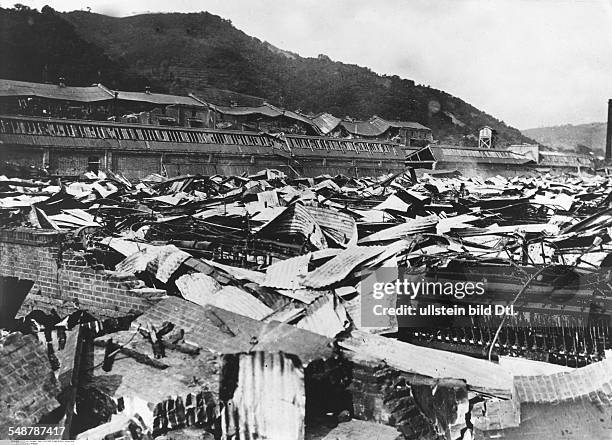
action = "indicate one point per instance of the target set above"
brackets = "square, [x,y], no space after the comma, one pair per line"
[328,124]
[553,161]
[265,118]
[98,102]
[160,109]
[55,100]
[409,134]
[470,161]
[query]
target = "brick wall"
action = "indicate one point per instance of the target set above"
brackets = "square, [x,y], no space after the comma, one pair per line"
[22,156]
[218,330]
[136,165]
[63,279]
[71,162]
[385,395]
[27,384]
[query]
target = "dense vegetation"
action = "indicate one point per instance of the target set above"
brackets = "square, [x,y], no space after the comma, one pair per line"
[204,54]
[42,46]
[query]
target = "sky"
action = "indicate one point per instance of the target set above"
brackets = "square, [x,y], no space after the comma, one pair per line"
[530,63]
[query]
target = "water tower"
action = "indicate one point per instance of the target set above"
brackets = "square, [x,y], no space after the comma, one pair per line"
[486,137]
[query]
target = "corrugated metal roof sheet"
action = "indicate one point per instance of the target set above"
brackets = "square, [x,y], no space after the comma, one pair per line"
[241,302]
[161,261]
[341,266]
[269,397]
[468,154]
[367,129]
[287,274]
[222,331]
[336,225]
[554,159]
[480,375]
[446,153]
[377,126]
[419,225]
[326,122]
[380,122]
[325,316]
[159,99]
[197,287]
[238,272]
[203,289]
[51,91]
[306,296]
[579,384]
[264,110]
[294,220]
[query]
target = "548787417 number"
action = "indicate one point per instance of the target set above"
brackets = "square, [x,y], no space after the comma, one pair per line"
[40,431]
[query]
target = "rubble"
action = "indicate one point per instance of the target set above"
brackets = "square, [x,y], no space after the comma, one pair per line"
[204,303]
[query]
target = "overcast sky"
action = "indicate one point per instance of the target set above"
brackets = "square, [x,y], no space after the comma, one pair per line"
[530,63]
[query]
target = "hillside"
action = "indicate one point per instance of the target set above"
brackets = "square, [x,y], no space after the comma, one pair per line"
[191,52]
[570,137]
[41,46]
[204,54]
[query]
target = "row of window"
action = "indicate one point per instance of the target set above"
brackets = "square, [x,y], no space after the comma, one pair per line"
[86,130]
[480,153]
[339,145]
[118,132]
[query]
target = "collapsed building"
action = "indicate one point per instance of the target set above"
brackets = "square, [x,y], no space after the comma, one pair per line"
[484,162]
[235,305]
[65,129]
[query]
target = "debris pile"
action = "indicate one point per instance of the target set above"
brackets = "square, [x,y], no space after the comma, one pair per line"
[264,280]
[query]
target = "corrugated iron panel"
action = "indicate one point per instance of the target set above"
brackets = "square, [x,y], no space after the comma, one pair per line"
[124,246]
[554,159]
[306,296]
[161,99]
[236,300]
[338,226]
[287,274]
[51,91]
[161,261]
[398,124]
[427,224]
[197,285]
[223,331]
[203,289]
[238,272]
[324,316]
[340,266]
[269,399]
[366,129]
[294,220]
[326,122]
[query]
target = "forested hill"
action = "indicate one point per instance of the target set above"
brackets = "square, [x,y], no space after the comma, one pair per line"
[204,54]
[582,138]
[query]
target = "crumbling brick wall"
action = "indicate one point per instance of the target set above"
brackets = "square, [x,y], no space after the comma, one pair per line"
[28,386]
[419,408]
[65,281]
